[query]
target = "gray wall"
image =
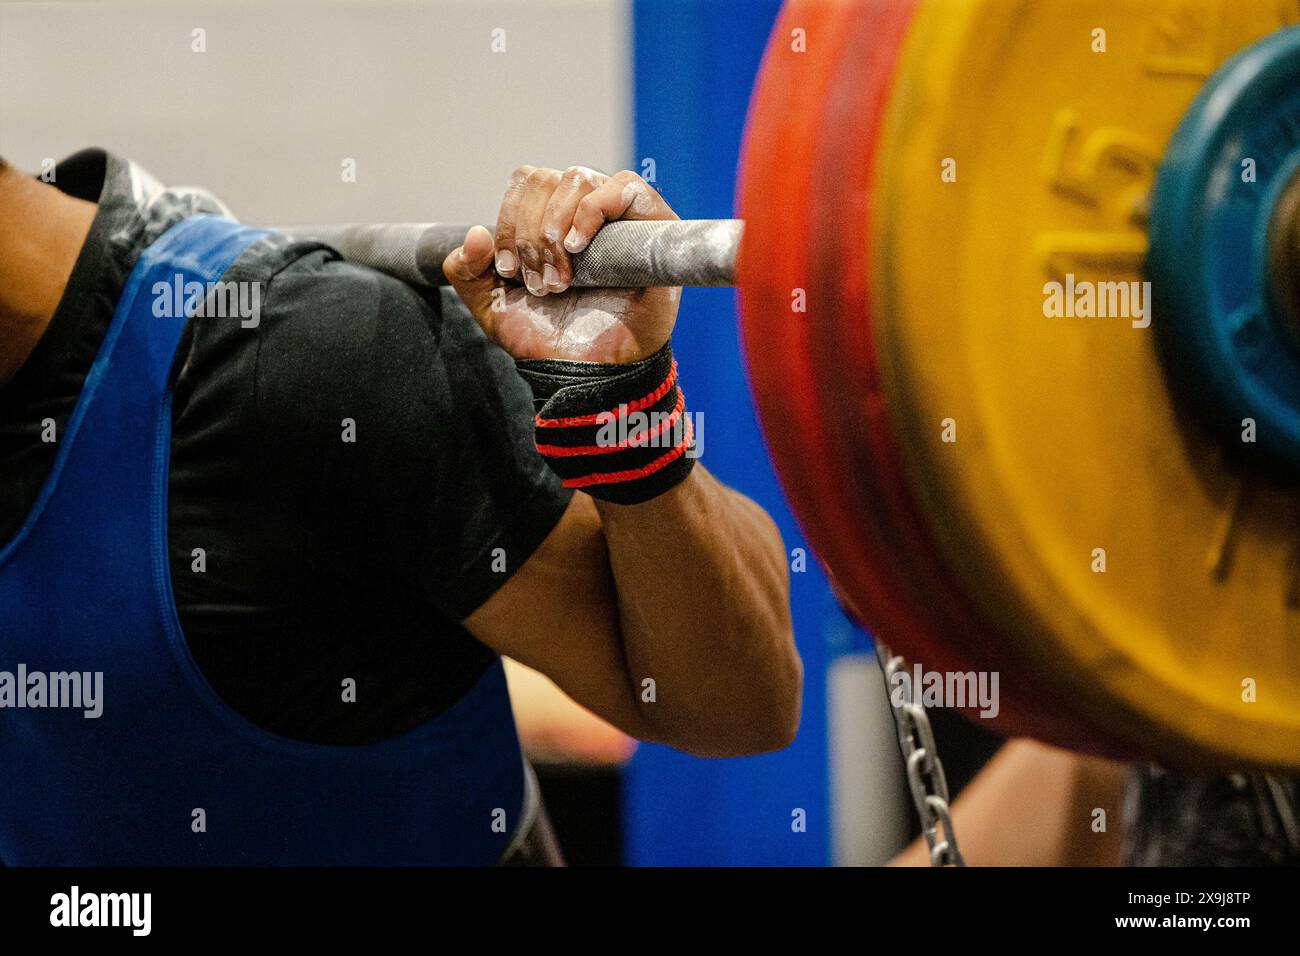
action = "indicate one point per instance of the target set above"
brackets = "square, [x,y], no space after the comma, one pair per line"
[286,90]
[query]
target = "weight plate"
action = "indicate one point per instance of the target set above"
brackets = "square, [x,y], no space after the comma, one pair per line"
[781,140]
[1225,342]
[947,636]
[1142,578]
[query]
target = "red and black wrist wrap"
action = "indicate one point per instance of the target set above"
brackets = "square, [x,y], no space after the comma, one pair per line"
[618,432]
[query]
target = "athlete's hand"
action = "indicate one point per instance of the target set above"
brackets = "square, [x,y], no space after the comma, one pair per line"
[547,215]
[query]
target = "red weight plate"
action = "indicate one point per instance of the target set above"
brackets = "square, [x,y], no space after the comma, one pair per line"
[847,119]
[782,138]
[946,633]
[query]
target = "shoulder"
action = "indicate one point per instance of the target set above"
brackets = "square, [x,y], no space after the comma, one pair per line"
[336,341]
[338,359]
[337,316]
[367,335]
[376,415]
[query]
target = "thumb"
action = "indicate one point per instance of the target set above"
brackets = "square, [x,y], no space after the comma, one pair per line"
[469,270]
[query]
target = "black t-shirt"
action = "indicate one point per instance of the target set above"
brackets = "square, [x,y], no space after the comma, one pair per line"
[322,558]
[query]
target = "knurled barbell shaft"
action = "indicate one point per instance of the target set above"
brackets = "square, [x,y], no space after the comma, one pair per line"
[624,254]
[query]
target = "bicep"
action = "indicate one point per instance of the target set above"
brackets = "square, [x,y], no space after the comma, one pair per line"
[558,614]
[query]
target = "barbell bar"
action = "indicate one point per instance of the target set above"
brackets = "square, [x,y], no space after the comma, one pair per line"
[642,254]
[622,255]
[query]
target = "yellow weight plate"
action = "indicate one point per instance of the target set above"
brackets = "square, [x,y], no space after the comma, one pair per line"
[1022,143]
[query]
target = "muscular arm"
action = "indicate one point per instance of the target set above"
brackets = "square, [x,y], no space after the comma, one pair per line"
[688,590]
[704,605]
[669,618]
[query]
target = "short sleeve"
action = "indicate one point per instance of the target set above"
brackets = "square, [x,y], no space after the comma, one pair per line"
[403,434]
[497,499]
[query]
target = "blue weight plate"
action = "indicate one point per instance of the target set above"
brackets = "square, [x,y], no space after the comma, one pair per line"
[1224,341]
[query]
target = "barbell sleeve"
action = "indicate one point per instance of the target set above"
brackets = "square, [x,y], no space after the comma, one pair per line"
[624,254]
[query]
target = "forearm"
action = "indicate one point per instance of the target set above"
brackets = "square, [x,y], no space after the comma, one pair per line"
[998,826]
[687,593]
[703,605]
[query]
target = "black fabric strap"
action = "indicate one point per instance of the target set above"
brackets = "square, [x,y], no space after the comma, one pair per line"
[618,432]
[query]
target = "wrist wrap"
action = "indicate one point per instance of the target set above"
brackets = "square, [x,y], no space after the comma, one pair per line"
[618,432]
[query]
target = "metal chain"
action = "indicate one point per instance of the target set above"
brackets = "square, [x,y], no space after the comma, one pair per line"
[924,770]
